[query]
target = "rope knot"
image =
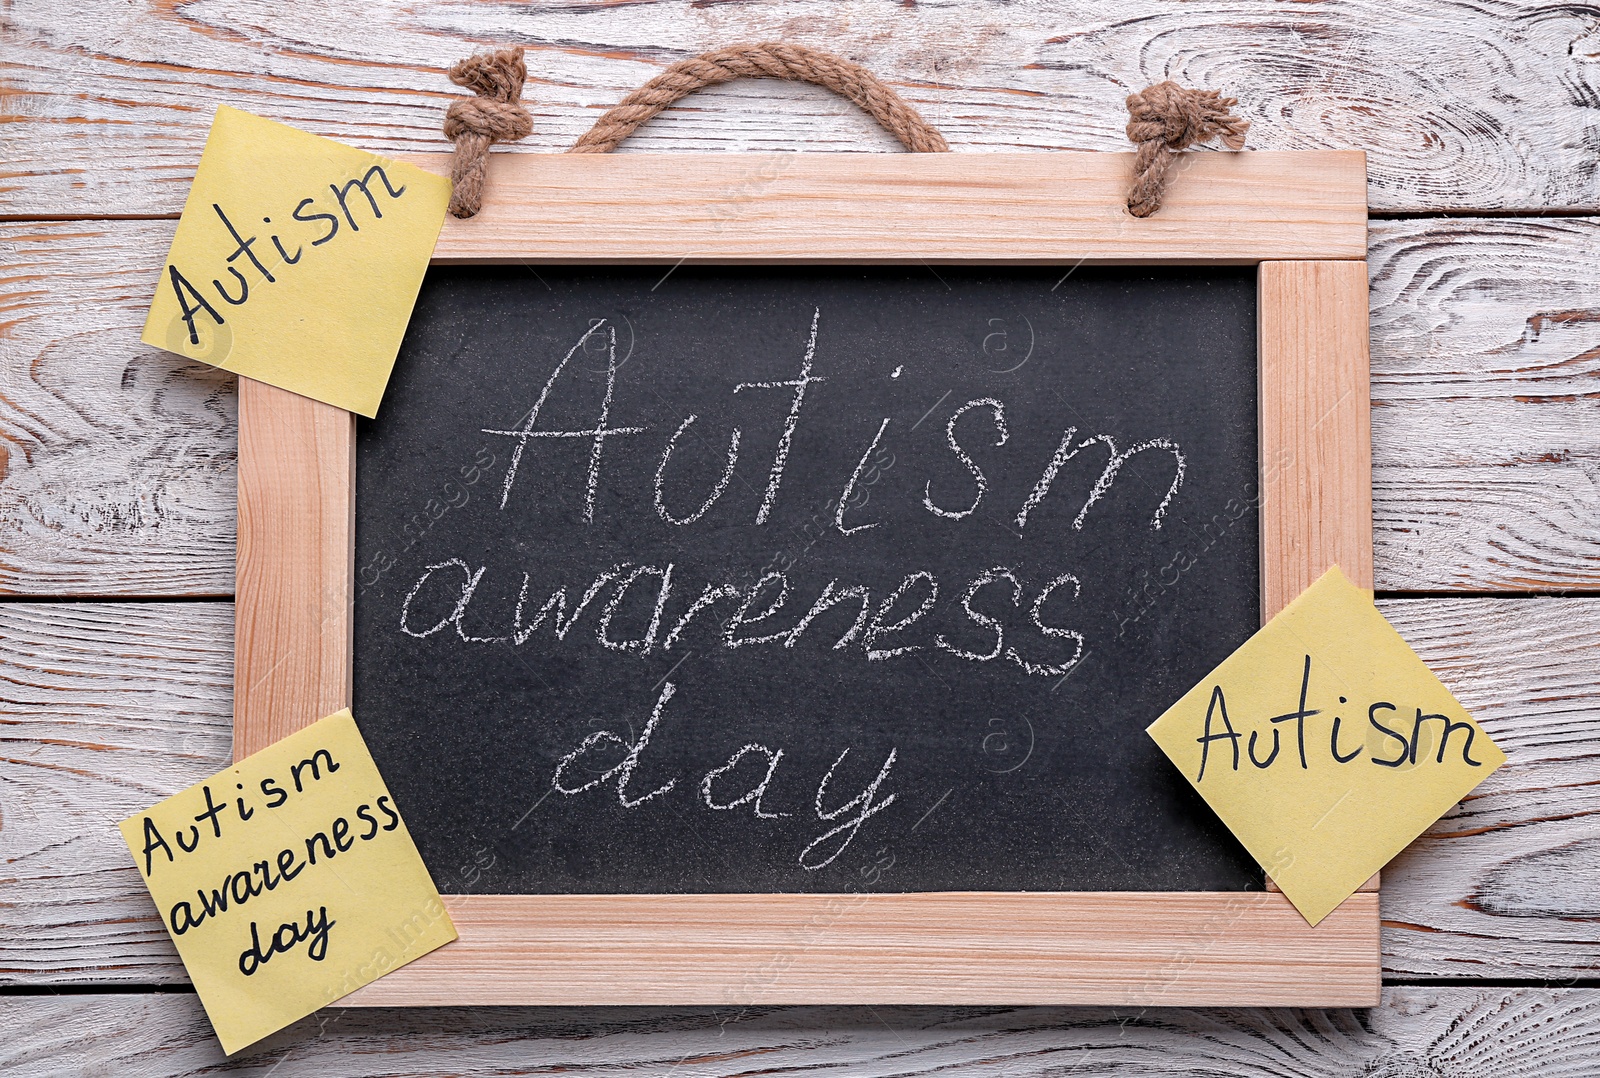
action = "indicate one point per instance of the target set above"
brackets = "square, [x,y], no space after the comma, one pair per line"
[496,121]
[497,75]
[1166,119]
[474,123]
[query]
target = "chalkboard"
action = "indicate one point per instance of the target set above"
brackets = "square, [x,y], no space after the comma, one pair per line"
[777,579]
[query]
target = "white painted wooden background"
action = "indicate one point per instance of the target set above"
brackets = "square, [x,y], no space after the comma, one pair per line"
[1482,125]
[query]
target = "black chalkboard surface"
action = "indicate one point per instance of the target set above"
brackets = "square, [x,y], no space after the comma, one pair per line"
[775,579]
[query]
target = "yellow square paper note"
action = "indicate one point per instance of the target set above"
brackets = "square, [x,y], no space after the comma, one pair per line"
[297,261]
[287,881]
[1325,744]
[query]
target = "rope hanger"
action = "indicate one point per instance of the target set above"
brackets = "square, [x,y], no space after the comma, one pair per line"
[1165,119]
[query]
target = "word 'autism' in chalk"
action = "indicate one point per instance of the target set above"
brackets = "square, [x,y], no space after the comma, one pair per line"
[751,579]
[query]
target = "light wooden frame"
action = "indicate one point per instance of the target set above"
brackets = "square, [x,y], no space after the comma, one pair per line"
[1301,217]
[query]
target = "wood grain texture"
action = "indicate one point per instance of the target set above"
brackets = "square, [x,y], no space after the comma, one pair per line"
[116,460]
[1461,105]
[1505,883]
[110,707]
[1415,1033]
[1316,460]
[1137,949]
[295,612]
[1062,208]
[1486,413]
[1486,403]
[105,709]
[116,478]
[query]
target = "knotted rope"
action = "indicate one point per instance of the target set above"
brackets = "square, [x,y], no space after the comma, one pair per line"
[768,60]
[1165,120]
[473,123]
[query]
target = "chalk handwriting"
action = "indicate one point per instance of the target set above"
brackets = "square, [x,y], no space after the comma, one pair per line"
[853,496]
[799,385]
[846,499]
[1065,451]
[1015,620]
[755,793]
[994,625]
[716,491]
[982,481]
[862,805]
[597,435]
[623,770]
[819,853]
[876,630]
[447,589]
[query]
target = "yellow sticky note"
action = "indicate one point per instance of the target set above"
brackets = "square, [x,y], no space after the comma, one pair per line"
[287,881]
[1325,744]
[297,261]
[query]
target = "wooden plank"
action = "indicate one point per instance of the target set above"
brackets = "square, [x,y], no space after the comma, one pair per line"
[1416,1032]
[116,460]
[1316,459]
[1138,949]
[119,459]
[296,564]
[1065,208]
[1494,477]
[1486,404]
[105,709]
[1504,884]
[1461,105]
[110,707]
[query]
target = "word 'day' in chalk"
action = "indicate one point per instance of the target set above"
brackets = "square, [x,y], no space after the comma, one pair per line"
[287,881]
[1325,744]
[297,261]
